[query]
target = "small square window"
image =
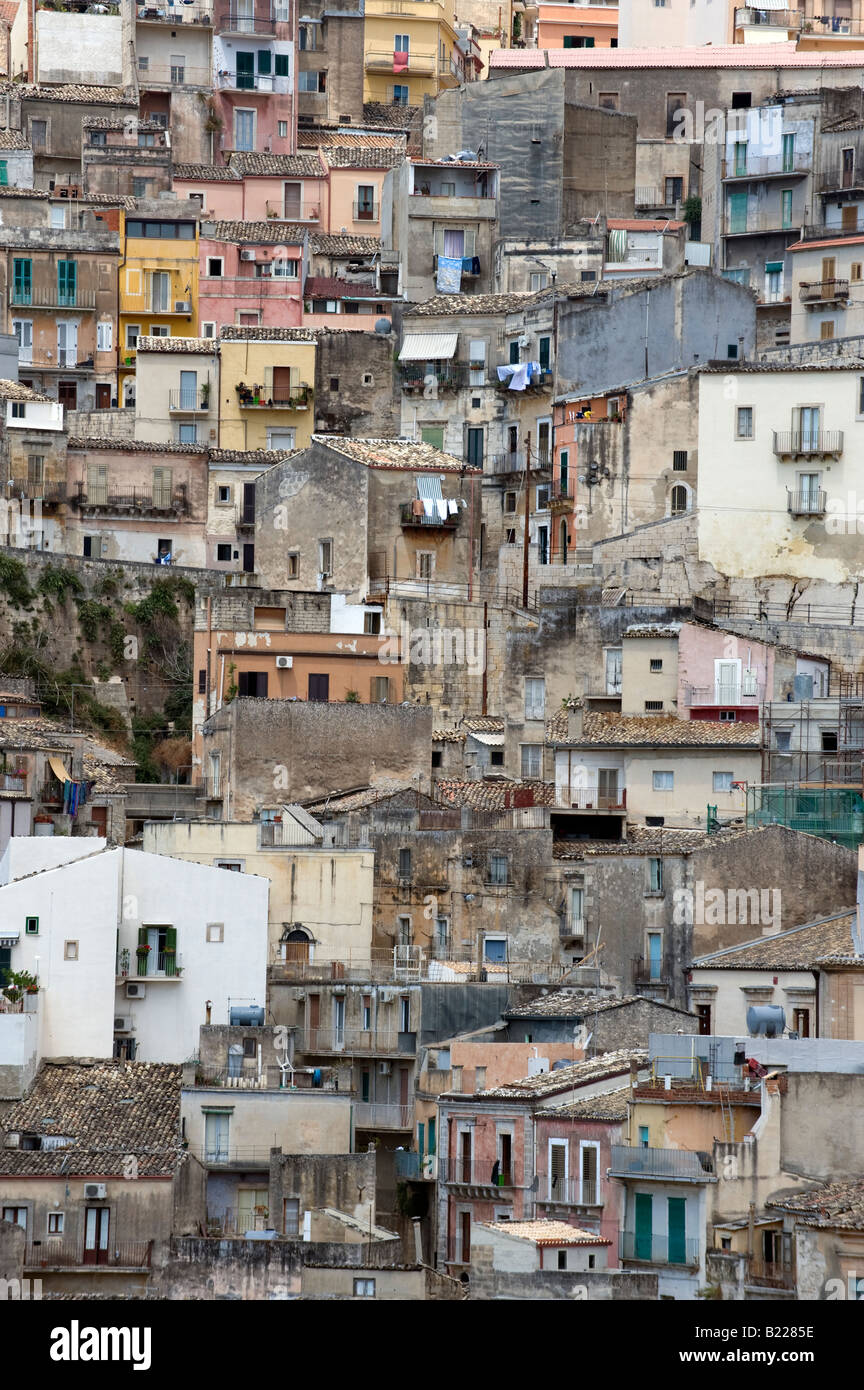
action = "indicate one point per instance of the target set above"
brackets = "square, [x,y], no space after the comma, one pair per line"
[436,757]
[372,623]
[368,379]
[31,926]
[223,553]
[223,494]
[208,330]
[334,383]
[663,781]
[653,706]
[364,1288]
[216,931]
[679,460]
[496,757]
[656,663]
[70,950]
[55,1223]
[250,1047]
[214,265]
[721,781]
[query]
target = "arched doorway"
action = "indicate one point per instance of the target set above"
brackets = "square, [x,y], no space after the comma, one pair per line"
[295,945]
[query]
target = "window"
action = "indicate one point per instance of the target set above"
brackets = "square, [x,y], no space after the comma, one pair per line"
[372,623]
[496,757]
[282,129]
[644,1137]
[479,1078]
[829,741]
[826,330]
[39,134]
[679,460]
[146,140]
[498,866]
[608,101]
[425,564]
[543,498]
[403,929]
[404,863]
[679,501]
[70,950]
[143,64]
[178,69]
[662,781]
[19,410]
[655,955]
[801,1022]
[208,329]
[31,926]
[252,684]
[744,422]
[539,281]
[436,757]
[105,336]
[531,759]
[283,269]
[55,1223]
[401,43]
[786,207]
[510,497]
[721,781]
[653,706]
[562,1259]
[313,81]
[535,697]
[855,272]
[365,202]
[325,558]
[400,95]
[22,292]
[133,331]
[223,553]
[495,951]
[292,565]
[703,1013]
[655,875]
[244,129]
[404,1013]
[656,663]
[223,494]
[215,265]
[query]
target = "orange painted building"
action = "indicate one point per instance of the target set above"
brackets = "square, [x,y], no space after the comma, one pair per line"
[586,26]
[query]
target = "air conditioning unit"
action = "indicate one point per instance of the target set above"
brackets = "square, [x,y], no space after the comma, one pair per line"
[300,996]
[135,991]
[384,1068]
[182,306]
[284,663]
[387,996]
[94,1191]
[123,1024]
[247,255]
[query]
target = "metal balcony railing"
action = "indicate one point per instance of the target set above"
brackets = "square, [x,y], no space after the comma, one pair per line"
[837,177]
[562,493]
[658,1249]
[483,1172]
[421,376]
[780,19]
[763,166]
[676,1165]
[371,1041]
[823,291]
[571,1192]
[373,1115]
[417,64]
[416,1167]
[189,401]
[10,783]
[409,517]
[808,442]
[649,973]
[51,298]
[154,965]
[226,1156]
[512,462]
[721,693]
[167,13]
[300,398]
[806,503]
[43,492]
[592,798]
[571,926]
[771,1274]
[231,22]
[292,212]
[51,794]
[735,224]
[253,82]
[137,500]
[366,212]
[125,1254]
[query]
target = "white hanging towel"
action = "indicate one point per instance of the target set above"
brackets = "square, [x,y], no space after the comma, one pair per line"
[428,506]
[442,508]
[452,506]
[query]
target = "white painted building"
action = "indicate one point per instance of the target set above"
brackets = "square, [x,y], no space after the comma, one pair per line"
[81,925]
[781,471]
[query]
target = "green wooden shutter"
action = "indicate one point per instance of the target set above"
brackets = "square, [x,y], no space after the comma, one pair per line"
[283,65]
[66,278]
[23,281]
[142,936]
[4,173]
[170,950]
[264,61]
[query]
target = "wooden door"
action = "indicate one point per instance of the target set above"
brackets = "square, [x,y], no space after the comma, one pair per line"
[96,1223]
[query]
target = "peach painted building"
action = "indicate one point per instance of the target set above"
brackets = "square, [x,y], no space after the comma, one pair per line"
[586,26]
[259,187]
[356,176]
[568,497]
[253,75]
[250,275]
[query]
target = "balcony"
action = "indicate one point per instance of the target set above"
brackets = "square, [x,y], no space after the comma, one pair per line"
[649,197]
[539,381]
[571,927]
[133,501]
[175,14]
[723,693]
[161,75]
[161,965]
[649,974]
[244,520]
[661,1165]
[370,1041]
[417,65]
[778,19]
[224,1156]
[51,298]
[765,167]
[818,292]
[474,1173]
[292,212]
[806,503]
[770,1274]
[512,462]
[447,376]
[758,223]
[230,22]
[10,783]
[253,83]
[808,444]
[658,1249]
[300,399]
[49,494]
[591,798]
[371,1115]
[189,402]
[51,794]
[366,212]
[410,518]
[569,1192]
[562,495]
[63,1254]
[414,1167]
[210,789]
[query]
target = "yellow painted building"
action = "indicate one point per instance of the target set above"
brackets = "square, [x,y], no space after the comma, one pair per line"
[158,287]
[409,48]
[267,388]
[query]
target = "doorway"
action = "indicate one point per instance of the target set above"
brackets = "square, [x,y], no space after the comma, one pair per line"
[96,1223]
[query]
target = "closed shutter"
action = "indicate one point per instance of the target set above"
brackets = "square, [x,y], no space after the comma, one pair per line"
[161,487]
[557,1171]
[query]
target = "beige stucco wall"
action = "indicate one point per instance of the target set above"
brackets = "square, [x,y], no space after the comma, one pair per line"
[730,1001]
[298,1122]
[693,790]
[158,377]
[639,683]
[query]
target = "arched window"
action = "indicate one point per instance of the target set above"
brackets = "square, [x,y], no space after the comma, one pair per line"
[295,945]
[679,500]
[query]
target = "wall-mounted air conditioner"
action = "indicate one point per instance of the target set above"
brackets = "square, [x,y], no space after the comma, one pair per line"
[284,663]
[122,1024]
[135,991]
[94,1191]
[247,255]
[384,1068]
[182,306]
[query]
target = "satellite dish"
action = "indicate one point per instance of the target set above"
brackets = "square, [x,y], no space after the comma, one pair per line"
[383,326]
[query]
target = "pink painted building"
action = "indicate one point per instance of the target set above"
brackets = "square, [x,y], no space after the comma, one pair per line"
[260,187]
[573,1151]
[722,675]
[250,273]
[254,59]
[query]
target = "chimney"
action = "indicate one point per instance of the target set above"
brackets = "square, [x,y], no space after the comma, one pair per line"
[575,717]
[858,919]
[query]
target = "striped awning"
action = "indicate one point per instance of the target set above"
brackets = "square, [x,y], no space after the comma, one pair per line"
[430,488]
[428,347]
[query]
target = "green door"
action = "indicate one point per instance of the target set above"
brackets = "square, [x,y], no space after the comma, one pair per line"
[23,281]
[737,212]
[677,1231]
[245,71]
[66,283]
[644,1220]
[421,1135]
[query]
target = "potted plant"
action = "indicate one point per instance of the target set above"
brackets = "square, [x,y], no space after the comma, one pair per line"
[205,394]
[124,962]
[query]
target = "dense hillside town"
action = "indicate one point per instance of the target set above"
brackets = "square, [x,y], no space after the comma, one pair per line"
[458,713]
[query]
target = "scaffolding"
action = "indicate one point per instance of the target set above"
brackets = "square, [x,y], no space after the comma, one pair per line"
[816,742]
[829,812]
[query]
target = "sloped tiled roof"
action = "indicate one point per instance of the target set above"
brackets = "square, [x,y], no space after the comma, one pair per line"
[395,453]
[255,165]
[545,1232]
[233,333]
[97,443]
[548,1083]
[67,92]
[450,304]
[109,1109]
[761,55]
[331,287]
[343,139]
[266,233]
[492,794]
[17,391]
[205,172]
[610,1105]
[833,1204]
[801,948]
[644,224]
[362,157]
[388,115]
[148,344]
[574,1003]
[266,457]
[13,140]
[323,244]
[645,839]
[652,731]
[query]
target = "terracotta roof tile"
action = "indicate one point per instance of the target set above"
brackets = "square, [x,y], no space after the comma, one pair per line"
[493,794]
[66,92]
[608,1064]
[652,731]
[16,391]
[95,443]
[360,157]
[266,457]
[835,1204]
[342,139]
[13,140]
[395,453]
[544,1232]
[458,304]
[576,1003]
[147,344]
[205,172]
[762,55]
[801,948]
[388,115]
[256,165]
[323,244]
[610,1105]
[231,333]
[266,233]
[108,1109]
[331,287]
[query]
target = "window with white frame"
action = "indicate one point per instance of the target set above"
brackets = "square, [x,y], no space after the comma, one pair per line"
[744,422]
[531,759]
[56,1220]
[655,875]
[663,781]
[558,1170]
[364,1288]
[105,336]
[589,1173]
[535,697]
[721,781]
[208,329]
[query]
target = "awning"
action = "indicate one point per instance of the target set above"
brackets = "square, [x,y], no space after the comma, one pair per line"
[771,267]
[59,770]
[9,938]
[429,487]
[428,347]
[771,5]
[489,740]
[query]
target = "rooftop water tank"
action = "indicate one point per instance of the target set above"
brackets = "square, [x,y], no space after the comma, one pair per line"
[765,1021]
[251,1016]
